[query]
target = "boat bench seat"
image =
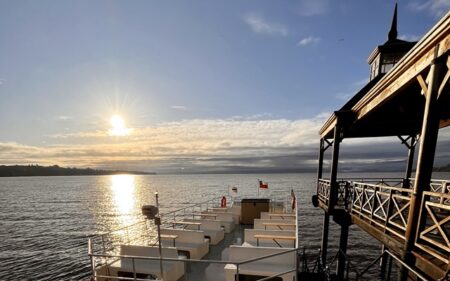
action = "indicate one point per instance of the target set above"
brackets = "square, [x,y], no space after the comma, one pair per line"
[211,228]
[226,220]
[171,270]
[277,216]
[191,241]
[265,267]
[249,237]
[259,224]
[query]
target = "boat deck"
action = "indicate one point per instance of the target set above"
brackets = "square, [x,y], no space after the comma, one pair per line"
[207,272]
[267,248]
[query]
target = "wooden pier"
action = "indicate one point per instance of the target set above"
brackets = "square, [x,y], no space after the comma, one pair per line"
[409,100]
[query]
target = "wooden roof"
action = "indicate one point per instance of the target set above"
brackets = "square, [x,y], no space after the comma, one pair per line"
[393,104]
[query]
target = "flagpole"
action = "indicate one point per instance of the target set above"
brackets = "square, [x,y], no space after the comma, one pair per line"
[257,186]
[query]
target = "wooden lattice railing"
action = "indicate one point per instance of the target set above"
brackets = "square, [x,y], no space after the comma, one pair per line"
[385,204]
[433,235]
[345,191]
[386,207]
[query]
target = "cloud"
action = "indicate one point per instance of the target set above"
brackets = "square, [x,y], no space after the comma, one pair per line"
[259,116]
[261,26]
[179,107]
[192,143]
[307,41]
[344,96]
[409,37]
[313,8]
[436,8]
[2,81]
[216,145]
[361,82]
[65,118]
[355,87]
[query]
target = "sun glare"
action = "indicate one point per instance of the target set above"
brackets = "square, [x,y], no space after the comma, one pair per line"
[123,188]
[118,126]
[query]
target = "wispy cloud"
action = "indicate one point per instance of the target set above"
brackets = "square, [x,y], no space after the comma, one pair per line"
[344,96]
[65,118]
[179,107]
[212,145]
[166,143]
[262,26]
[259,116]
[436,8]
[2,81]
[307,41]
[409,37]
[353,89]
[314,8]
[360,83]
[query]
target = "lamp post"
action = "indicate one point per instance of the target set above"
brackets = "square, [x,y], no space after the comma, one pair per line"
[152,213]
[158,225]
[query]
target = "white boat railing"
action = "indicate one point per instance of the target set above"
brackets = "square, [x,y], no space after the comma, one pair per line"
[237,264]
[104,249]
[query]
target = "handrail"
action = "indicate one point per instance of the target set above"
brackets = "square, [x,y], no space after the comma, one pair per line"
[401,189]
[196,260]
[143,221]
[119,229]
[190,206]
[236,263]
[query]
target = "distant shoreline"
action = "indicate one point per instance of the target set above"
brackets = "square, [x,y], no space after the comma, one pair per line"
[55,170]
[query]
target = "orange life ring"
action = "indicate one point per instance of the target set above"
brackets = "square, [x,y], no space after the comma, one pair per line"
[223,202]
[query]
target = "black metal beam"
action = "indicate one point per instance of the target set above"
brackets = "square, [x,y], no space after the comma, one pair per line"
[342,252]
[325,230]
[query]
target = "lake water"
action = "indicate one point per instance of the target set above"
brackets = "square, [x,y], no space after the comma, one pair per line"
[44,221]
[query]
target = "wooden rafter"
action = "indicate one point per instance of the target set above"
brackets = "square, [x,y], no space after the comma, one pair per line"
[434,45]
[422,84]
[445,80]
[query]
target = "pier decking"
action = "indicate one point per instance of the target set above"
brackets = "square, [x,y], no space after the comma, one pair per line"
[409,216]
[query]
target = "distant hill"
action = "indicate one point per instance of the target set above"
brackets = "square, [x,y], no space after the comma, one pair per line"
[55,170]
[442,169]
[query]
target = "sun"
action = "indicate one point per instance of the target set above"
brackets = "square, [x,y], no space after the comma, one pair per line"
[117,122]
[118,126]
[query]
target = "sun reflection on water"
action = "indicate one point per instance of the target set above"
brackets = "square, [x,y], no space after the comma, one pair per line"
[124,194]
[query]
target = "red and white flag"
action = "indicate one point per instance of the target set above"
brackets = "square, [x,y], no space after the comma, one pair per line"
[263,184]
[293,199]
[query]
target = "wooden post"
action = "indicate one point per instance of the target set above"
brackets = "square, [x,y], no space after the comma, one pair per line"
[326,218]
[342,252]
[333,192]
[321,152]
[334,166]
[425,160]
[320,168]
[409,163]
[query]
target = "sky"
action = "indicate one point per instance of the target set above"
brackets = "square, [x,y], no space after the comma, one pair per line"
[202,86]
